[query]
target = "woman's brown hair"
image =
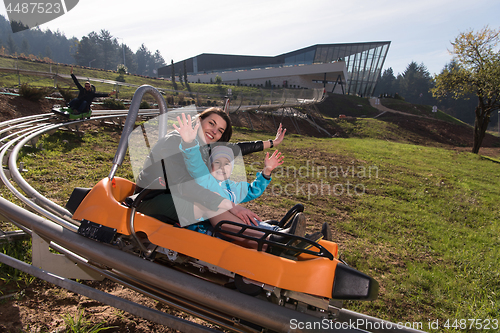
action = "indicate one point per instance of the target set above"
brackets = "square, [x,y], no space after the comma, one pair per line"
[228,132]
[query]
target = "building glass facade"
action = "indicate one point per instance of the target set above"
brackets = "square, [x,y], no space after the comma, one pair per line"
[364,62]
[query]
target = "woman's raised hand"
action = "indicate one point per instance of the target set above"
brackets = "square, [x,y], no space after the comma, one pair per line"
[280,135]
[186,130]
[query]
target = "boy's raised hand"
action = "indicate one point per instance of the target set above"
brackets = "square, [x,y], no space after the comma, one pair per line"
[186,130]
[271,162]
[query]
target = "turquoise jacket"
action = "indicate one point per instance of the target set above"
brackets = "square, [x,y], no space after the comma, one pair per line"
[236,192]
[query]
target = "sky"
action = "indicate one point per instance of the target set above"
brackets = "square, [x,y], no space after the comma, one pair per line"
[419,31]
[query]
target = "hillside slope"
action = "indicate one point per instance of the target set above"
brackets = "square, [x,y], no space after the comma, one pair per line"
[364,121]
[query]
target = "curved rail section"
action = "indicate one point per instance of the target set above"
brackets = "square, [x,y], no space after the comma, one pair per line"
[51,226]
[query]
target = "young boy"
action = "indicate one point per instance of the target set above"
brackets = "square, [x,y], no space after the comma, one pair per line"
[217,179]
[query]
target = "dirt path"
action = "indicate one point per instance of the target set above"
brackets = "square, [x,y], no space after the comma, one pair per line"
[375,102]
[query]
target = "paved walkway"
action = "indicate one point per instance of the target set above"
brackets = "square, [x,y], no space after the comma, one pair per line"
[375,102]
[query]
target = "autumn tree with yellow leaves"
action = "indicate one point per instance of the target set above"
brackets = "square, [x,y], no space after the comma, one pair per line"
[475,70]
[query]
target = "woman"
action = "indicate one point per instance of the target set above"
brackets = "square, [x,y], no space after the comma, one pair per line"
[176,200]
[185,201]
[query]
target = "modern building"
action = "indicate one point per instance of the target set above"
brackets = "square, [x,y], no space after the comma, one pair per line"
[349,68]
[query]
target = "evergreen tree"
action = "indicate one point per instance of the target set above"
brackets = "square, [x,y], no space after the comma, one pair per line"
[25,47]
[415,84]
[88,51]
[108,48]
[143,56]
[172,72]
[185,76]
[130,59]
[11,46]
[185,71]
[180,77]
[386,84]
[158,60]
[48,52]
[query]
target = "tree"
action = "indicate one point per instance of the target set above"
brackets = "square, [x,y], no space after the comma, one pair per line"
[143,55]
[88,51]
[180,77]
[458,108]
[25,47]
[477,71]
[48,52]
[158,60]
[172,71]
[108,47]
[386,83]
[11,45]
[148,63]
[102,50]
[35,41]
[130,59]
[415,83]
[185,73]
[186,76]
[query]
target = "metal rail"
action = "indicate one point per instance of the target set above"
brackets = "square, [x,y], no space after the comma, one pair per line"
[192,295]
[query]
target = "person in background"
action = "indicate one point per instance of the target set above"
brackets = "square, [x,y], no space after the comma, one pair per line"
[86,95]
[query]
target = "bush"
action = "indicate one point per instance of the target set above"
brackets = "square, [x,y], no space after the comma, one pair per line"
[181,98]
[397,96]
[144,105]
[121,69]
[170,100]
[113,104]
[66,94]
[32,93]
